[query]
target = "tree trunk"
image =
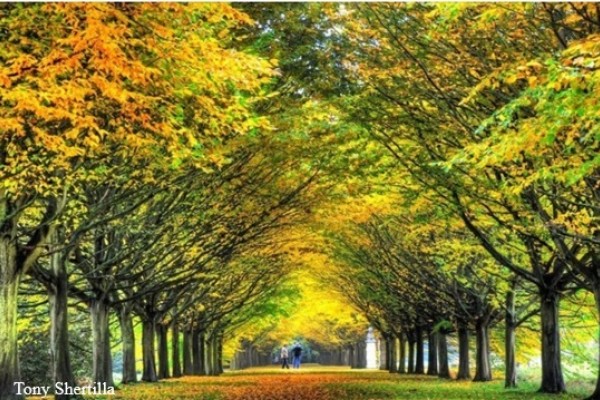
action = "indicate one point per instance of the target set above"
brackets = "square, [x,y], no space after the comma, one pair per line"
[188,368]
[255,361]
[128,338]
[510,377]
[175,348]
[384,353]
[102,362]
[59,330]
[432,368]
[149,372]
[208,356]
[202,352]
[420,353]
[361,355]
[239,359]
[402,359]
[350,355]
[444,368]
[197,361]
[249,356]
[464,367]
[233,364]
[392,355]
[596,394]
[220,355]
[162,331]
[9,283]
[552,376]
[411,355]
[215,356]
[483,366]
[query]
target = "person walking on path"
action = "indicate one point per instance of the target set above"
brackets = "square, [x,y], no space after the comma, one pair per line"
[297,353]
[284,357]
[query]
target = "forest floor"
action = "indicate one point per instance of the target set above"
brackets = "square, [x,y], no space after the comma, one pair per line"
[313,382]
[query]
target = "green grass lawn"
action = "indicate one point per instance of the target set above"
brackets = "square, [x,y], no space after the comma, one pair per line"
[419,387]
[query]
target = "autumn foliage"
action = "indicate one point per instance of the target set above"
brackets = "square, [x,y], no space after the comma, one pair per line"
[189,187]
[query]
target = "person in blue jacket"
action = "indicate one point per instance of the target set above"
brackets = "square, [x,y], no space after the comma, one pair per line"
[297,354]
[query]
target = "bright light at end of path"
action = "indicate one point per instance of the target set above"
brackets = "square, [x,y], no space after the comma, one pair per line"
[371,349]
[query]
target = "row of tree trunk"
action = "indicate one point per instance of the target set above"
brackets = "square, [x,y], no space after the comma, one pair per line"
[353,355]
[249,356]
[405,353]
[201,355]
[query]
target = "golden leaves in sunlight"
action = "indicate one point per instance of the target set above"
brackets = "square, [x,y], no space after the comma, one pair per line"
[122,81]
[265,384]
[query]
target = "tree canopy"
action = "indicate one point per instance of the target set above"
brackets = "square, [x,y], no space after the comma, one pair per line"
[201,184]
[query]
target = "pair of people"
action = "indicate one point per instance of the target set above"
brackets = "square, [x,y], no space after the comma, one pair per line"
[296,353]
